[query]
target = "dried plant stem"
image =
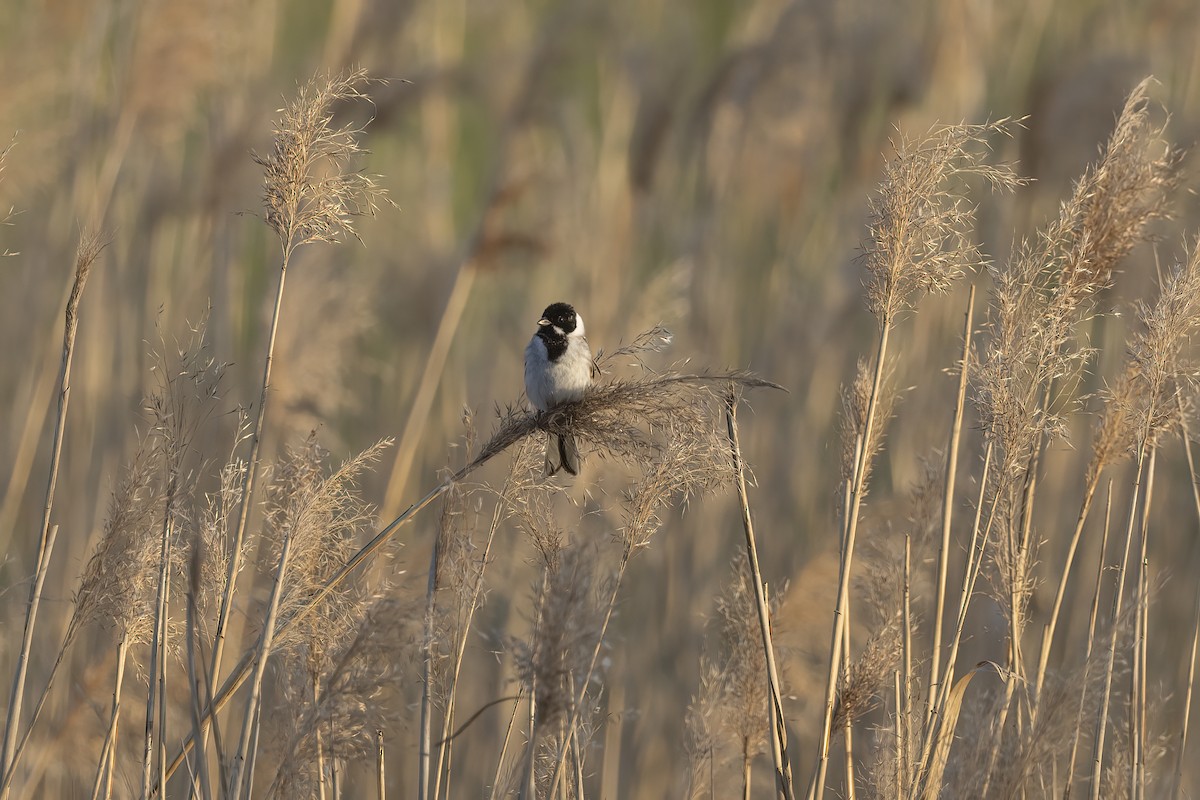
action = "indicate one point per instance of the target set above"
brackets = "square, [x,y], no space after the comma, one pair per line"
[427,675]
[979,538]
[320,748]
[901,758]
[783,768]
[431,378]
[512,723]
[848,725]
[747,767]
[1091,639]
[239,775]
[1118,599]
[904,698]
[89,249]
[1191,675]
[1061,593]
[102,787]
[1181,748]
[157,667]
[194,680]
[1138,718]
[948,509]
[380,776]
[851,531]
[249,477]
[39,581]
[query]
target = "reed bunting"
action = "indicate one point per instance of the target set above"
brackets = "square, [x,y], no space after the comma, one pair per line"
[558,369]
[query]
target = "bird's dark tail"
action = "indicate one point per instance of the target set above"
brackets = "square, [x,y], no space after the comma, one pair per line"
[562,453]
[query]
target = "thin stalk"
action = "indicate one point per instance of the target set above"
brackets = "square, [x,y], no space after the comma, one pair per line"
[783,769]
[194,680]
[848,725]
[158,640]
[250,475]
[427,674]
[321,770]
[1091,639]
[89,249]
[901,781]
[578,700]
[1064,574]
[948,508]
[1142,639]
[851,523]
[1187,702]
[746,768]
[239,775]
[380,777]
[979,540]
[31,615]
[1118,599]
[512,723]
[102,786]
[904,709]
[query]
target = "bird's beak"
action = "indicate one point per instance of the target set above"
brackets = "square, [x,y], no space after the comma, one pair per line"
[543,321]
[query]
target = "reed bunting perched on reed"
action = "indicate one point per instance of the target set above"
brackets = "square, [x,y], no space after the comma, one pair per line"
[558,369]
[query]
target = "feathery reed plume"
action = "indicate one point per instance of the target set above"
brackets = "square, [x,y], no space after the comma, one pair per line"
[340,721]
[312,193]
[118,586]
[741,706]
[921,224]
[702,729]
[89,250]
[870,675]
[571,619]
[1025,383]
[322,516]
[856,402]
[313,513]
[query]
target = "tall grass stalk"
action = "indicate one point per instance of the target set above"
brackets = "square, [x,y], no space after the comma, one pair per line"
[89,250]
[1091,643]
[779,751]
[939,611]
[1115,630]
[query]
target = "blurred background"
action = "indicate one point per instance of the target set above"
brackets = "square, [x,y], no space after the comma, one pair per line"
[704,165]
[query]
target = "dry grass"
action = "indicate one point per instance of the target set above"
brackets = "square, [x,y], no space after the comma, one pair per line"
[207,571]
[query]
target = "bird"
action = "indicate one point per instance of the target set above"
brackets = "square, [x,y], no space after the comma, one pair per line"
[558,370]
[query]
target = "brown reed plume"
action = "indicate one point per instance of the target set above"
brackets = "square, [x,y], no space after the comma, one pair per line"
[734,689]
[314,513]
[339,720]
[1024,385]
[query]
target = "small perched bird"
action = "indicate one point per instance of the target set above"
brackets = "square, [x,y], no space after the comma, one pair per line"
[558,369]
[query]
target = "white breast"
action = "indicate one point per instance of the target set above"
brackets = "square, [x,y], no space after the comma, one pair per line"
[563,381]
